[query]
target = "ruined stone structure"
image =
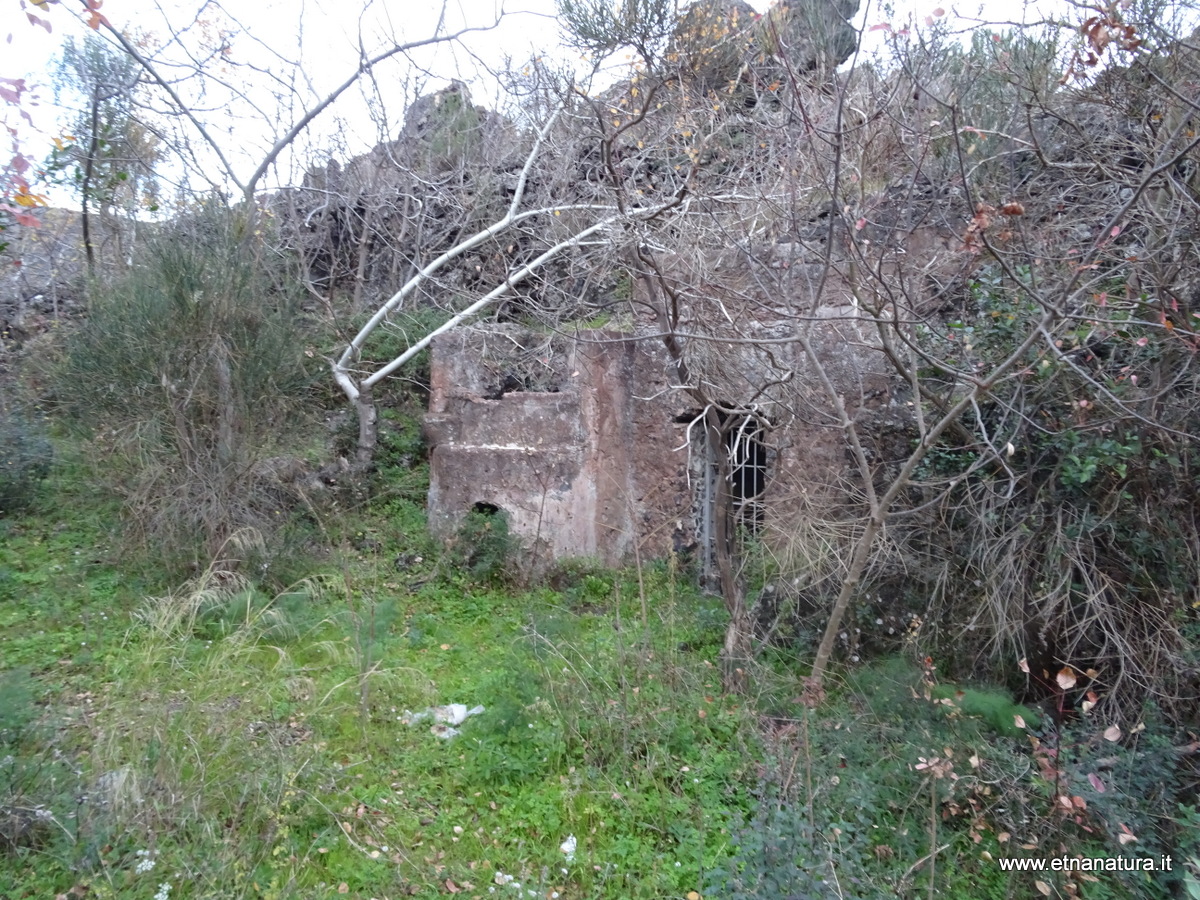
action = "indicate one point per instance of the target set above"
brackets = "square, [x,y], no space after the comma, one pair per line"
[583,442]
[576,441]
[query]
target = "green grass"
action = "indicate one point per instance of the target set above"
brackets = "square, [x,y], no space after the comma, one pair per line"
[247,740]
[250,744]
[64,595]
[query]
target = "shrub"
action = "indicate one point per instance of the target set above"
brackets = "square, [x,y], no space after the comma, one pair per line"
[1049,552]
[483,547]
[25,456]
[193,368]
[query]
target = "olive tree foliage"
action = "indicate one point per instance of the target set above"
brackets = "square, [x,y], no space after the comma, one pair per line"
[601,27]
[111,153]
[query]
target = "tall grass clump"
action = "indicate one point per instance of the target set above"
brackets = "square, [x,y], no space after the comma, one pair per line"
[205,733]
[25,455]
[191,371]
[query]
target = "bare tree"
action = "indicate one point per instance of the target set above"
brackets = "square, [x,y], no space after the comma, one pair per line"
[1008,270]
[186,74]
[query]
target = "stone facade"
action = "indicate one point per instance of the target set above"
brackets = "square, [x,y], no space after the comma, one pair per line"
[575,440]
[583,441]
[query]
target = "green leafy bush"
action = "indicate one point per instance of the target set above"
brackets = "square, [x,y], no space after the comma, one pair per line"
[25,456]
[483,547]
[192,371]
[1043,539]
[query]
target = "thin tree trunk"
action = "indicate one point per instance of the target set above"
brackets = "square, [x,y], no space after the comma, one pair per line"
[226,411]
[368,427]
[86,186]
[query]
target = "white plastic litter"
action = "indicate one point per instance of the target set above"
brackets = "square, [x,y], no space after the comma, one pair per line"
[444,717]
[568,847]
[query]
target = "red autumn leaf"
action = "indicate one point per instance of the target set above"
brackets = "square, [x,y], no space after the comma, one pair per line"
[1096,783]
[882,26]
[1066,675]
[95,17]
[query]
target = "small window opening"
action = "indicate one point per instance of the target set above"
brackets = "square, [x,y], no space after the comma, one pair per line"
[748,469]
[513,382]
[750,460]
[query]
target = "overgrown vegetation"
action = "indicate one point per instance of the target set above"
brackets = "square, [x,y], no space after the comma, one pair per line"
[981,645]
[191,376]
[1081,540]
[228,740]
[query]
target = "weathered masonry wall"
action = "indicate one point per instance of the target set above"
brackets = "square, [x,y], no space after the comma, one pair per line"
[583,441]
[575,440]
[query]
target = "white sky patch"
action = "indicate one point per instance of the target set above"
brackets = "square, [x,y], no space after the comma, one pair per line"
[300,50]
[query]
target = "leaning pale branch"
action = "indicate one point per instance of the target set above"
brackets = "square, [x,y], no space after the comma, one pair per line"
[341,368]
[495,294]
